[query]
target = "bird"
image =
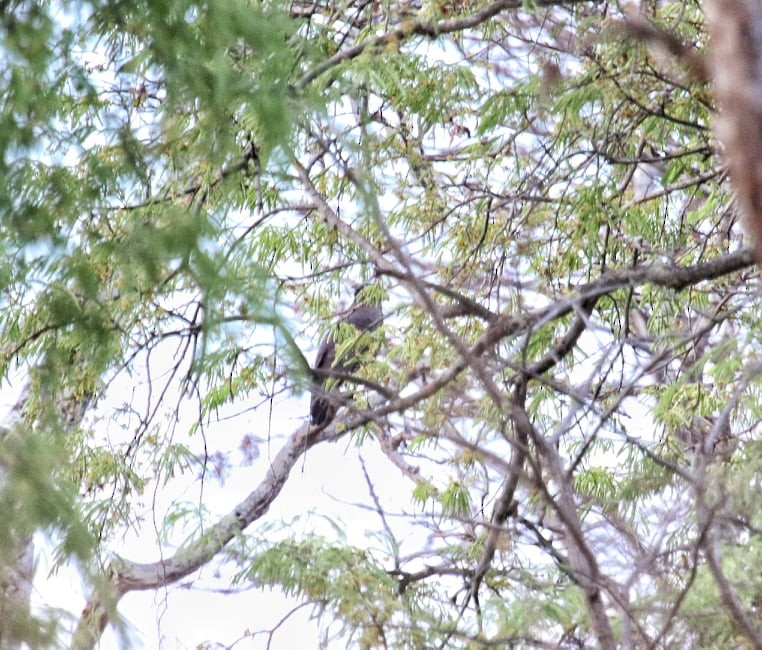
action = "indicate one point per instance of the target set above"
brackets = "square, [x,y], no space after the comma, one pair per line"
[362,316]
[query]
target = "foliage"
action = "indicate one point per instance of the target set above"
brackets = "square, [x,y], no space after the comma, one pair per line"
[568,380]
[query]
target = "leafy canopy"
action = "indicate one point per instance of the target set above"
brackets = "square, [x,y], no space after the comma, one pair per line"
[567,387]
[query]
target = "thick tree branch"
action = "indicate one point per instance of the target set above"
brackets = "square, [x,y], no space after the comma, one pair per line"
[567,343]
[638,27]
[16,580]
[710,541]
[509,325]
[427,29]
[505,505]
[125,576]
[735,64]
[583,564]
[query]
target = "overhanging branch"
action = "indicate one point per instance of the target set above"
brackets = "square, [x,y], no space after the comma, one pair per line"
[425,28]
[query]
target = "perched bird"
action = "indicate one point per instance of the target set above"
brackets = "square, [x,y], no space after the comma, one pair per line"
[324,404]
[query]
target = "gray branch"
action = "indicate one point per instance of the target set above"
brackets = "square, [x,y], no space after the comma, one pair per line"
[125,576]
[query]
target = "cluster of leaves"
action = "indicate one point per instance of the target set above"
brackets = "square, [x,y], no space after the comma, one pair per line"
[185,186]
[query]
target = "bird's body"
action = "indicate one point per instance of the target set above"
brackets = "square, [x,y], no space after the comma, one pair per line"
[325,403]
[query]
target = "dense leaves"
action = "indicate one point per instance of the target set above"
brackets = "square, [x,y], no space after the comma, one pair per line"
[564,411]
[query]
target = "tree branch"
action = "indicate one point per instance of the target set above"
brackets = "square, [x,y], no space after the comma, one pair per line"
[130,576]
[409,29]
[125,576]
[509,325]
[736,65]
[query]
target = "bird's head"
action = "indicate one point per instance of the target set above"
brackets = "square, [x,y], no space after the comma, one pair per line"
[367,293]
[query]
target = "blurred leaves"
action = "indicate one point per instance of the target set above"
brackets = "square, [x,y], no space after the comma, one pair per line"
[177,222]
